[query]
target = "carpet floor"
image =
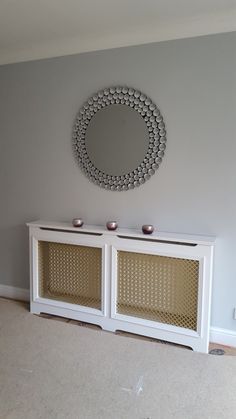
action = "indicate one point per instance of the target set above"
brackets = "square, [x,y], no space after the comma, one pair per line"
[55,370]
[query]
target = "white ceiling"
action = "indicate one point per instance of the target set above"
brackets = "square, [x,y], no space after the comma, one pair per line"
[33,29]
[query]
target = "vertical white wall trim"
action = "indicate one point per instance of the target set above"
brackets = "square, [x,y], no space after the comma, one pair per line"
[223,336]
[14,293]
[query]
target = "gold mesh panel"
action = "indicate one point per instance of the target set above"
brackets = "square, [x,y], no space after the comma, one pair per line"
[159,288]
[70,273]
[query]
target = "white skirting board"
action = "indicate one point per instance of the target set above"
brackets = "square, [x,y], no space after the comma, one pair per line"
[223,336]
[14,293]
[217,335]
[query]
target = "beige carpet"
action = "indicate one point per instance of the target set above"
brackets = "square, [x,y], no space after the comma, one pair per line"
[53,370]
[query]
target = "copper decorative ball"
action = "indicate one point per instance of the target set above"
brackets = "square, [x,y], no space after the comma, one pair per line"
[77,222]
[111,225]
[147,229]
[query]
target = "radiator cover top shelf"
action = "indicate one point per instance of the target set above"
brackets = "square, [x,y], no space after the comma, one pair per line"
[126,232]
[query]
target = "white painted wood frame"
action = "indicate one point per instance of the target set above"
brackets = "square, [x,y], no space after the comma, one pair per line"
[184,246]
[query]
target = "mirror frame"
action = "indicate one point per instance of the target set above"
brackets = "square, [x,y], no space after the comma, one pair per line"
[156,130]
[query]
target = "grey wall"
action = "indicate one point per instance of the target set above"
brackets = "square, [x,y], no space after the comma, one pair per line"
[193,81]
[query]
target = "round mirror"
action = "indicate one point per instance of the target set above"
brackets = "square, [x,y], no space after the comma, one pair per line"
[119,138]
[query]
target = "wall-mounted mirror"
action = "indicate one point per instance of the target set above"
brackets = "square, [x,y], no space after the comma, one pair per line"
[119,138]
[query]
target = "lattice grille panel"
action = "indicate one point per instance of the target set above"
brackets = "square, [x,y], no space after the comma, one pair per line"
[159,288]
[70,273]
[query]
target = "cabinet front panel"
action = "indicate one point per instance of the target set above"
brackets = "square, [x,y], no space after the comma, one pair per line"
[70,273]
[158,288]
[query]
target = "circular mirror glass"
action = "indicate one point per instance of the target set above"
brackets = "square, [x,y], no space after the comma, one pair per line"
[117,140]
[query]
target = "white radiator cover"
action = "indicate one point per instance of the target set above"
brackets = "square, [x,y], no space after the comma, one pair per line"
[155,285]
